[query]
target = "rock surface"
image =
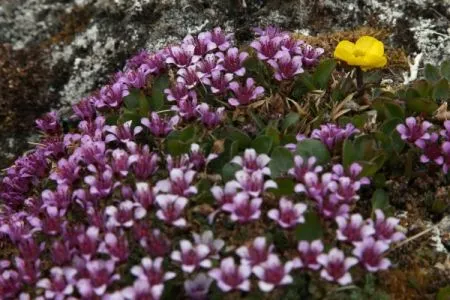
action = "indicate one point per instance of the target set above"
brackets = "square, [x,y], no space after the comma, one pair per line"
[58,51]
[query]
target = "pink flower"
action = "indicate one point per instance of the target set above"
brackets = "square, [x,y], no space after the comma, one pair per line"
[285,66]
[87,242]
[187,108]
[289,215]
[413,132]
[60,253]
[243,209]
[198,159]
[370,254]
[182,56]
[158,126]
[151,270]
[266,47]
[353,172]
[60,285]
[66,172]
[385,228]
[354,228]
[111,96]
[336,266]
[224,195]
[308,253]
[302,166]
[120,162]
[233,61]
[177,93]
[171,208]
[208,116]
[143,162]
[116,246]
[198,287]
[102,184]
[446,153]
[206,66]
[192,257]
[251,161]
[202,43]
[188,76]
[10,283]
[222,40]
[155,243]
[100,273]
[446,132]
[122,133]
[292,45]
[207,238]
[332,135]
[310,55]
[273,273]
[253,183]
[231,277]
[432,150]
[144,194]
[245,94]
[346,190]
[49,123]
[179,183]
[125,214]
[218,81]
[255,254]
[142,290]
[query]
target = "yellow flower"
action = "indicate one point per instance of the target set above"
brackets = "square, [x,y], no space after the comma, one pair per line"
[367,52]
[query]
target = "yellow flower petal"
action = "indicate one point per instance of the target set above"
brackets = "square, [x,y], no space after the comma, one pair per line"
[344,51]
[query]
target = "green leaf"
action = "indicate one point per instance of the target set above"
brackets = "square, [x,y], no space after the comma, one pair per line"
[132,100]
[177,147]
[274,134]
[348,153]
[285,187]
[441,90]
[128,115]
[444,293]
[291,119]
[281,161]
[185,135]
[323,73]
[393,110]
[302,85]
[445,69]
[370,168]
[311,147]
[262,144]
[421,105]
[159,84]
[239,136]
[431,73]
[228,171]
[311,229]
[380,200]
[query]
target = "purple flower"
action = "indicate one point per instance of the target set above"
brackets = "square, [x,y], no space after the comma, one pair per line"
[116,246]
[142,290]
[49,123]
[292,45]
[413,132]
[66,172]
[254,183]
[222,40]
[151,270]
[310,55]
[446,154]
[432,150]
[255,254]
[177,93]
[155,243]
[101,184]
[179,183]
[10,283]
[171,208]
[289,214]
[302,166]
[125,214]
[446,132]
[206,66]
[308,253]
[111,96]
[60,285]
[191,257]
[286,67]
[231,277]
[123,133]
[266,47]
[243,209]
[202,43]
[61,253]
[29,249]
[251,162]
[346,190]
[182,56]
[385,228]
[187,109]
[87,242]
[144,162]
[84,109]
[92,128]
[198,288]
[353,229]
[156,62]
[53,221]
[209,117]
[136,78]
[331,206]
[331,135]
[218,81]
[61,198]
[100,273]
[29,270]
[144,194]
[273,273]
[336,266]
[233,61]
[245,94]
[207,238]
[370,254]
[353,173]
[270,31]
[198,159]
[188,76]
[160,127]
[224,195]
[90,152]
[120,162]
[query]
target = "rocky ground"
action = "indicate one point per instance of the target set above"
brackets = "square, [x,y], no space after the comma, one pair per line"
[54,52]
